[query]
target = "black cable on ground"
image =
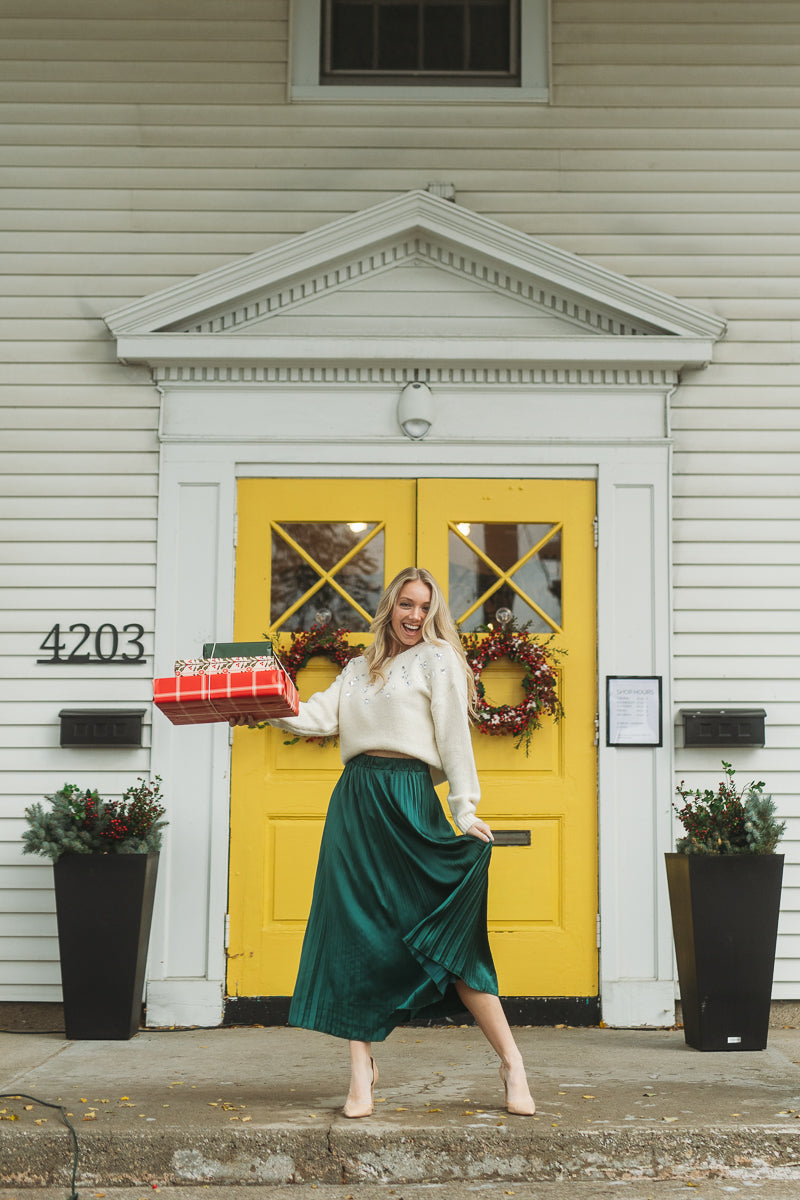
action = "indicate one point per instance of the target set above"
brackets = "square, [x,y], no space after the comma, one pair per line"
[33,1031]
[47,1104]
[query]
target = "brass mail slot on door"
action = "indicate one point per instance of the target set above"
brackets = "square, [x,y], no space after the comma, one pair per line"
[512,837]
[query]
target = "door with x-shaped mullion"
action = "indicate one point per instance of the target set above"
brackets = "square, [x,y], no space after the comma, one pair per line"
[309,551]
[322,550]
[523,550]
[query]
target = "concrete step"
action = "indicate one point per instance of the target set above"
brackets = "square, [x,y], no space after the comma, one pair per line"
[263,1106]
[334,1153]
[750,1188]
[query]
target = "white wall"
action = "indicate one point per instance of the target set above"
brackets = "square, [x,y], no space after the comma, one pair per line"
[140,147]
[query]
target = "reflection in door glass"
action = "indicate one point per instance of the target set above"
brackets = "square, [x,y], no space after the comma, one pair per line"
[504,544]
[326,544]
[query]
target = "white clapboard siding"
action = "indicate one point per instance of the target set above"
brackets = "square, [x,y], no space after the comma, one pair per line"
[141,145]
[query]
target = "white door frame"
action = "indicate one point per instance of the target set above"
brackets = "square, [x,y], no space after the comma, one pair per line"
[199,471]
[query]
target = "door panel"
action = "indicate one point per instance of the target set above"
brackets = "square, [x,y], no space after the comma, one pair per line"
[525,545]
[529,545]
[294,556]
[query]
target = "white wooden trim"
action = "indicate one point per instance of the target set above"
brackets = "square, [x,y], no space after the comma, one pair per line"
[184,1002]
[406,215]
[186,969]
[196,348]
[635,827]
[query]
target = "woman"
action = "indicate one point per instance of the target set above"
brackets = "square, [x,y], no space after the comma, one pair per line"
[398,916]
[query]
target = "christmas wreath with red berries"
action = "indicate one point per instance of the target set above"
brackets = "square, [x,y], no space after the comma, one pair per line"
[539,661]
[320,641]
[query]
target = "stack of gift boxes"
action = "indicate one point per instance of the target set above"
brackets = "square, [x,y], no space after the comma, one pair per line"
[233,679]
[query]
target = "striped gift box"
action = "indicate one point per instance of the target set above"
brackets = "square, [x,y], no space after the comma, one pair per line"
[219,666]
[202,699]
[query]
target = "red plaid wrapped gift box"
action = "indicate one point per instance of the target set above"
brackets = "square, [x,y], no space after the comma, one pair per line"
[201,699]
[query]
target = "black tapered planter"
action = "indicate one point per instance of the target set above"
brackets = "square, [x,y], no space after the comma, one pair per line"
[104,906]
[725,923]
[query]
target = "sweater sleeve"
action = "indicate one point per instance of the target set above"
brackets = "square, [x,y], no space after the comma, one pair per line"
[451,730]
[318,716]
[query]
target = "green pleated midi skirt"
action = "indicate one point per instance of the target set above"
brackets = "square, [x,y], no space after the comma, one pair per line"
[399,907]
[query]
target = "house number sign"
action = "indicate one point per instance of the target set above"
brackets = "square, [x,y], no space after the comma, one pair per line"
[81,645]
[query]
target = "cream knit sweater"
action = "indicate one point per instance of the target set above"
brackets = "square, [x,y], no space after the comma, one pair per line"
[421,710]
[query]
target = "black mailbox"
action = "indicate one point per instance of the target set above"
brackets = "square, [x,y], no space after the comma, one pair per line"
[723,726]
[101,727]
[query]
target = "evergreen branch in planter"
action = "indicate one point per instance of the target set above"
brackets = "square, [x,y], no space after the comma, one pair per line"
[80,821]
[728,820]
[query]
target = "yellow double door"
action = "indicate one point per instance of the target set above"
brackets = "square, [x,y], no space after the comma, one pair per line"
[323,550]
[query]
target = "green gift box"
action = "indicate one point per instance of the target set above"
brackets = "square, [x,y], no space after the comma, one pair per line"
[237,649]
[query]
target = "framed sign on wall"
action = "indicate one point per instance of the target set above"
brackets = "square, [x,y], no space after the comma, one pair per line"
[633,710]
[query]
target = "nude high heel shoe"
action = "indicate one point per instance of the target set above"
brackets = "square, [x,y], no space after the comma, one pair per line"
[525,1110]
[366,1112]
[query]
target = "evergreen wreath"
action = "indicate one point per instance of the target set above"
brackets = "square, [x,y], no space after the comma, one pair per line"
[539,682]
[320,641]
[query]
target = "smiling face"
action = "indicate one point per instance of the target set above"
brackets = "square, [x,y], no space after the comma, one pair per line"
[409,612]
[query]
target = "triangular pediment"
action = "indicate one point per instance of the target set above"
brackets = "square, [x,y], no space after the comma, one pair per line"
[416,267]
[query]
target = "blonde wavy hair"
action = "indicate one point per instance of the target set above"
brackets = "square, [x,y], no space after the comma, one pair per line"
[438,626]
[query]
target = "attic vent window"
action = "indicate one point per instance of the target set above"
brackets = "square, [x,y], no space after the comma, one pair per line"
[421,42]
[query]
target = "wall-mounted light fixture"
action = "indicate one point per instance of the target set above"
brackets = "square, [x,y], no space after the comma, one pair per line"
[415,410]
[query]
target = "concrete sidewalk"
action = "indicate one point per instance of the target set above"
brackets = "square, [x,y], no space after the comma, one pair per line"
[263,1106]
